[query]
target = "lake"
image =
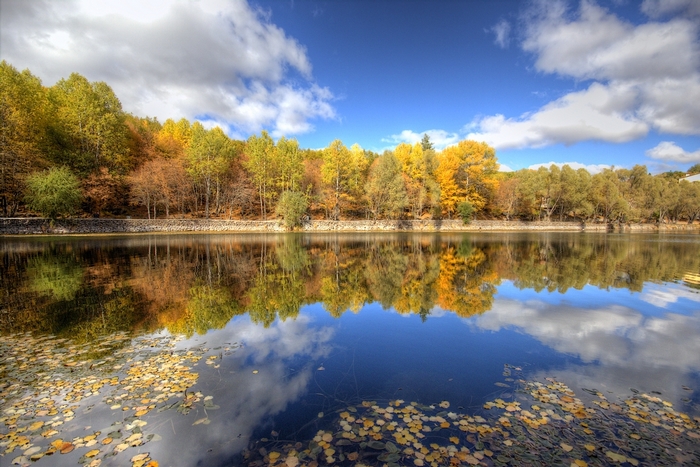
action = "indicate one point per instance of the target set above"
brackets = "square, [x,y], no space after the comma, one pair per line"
[354,349]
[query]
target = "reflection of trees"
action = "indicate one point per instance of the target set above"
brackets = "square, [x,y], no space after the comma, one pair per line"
[278,289]
[343,285]
[557,263]
[467,281]
[208,307]
[191,284]
[58,275]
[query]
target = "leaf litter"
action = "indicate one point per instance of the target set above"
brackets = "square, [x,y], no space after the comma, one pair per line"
[547,425]
[44,381]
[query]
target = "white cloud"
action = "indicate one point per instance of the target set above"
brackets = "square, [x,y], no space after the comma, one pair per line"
[645,76]
[656,8]
[599,112]
[440,138]
[592,168]
[220,60]
[504,168]
[598,45]
[502,32]
[669,151]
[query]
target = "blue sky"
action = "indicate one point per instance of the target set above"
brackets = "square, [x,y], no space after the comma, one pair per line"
[592,83]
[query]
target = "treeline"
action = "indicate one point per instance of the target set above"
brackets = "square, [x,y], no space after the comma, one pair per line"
[613,195]
[81,291]
[70,148]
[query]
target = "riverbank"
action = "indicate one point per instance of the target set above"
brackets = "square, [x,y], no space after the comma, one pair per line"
[39,226]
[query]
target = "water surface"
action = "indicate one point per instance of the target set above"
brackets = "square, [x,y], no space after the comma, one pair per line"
[241,350]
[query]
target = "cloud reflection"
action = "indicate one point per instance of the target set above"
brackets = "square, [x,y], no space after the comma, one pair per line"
[629,349]
[284,356]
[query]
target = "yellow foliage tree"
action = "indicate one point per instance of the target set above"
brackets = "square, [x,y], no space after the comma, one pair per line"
[467,172]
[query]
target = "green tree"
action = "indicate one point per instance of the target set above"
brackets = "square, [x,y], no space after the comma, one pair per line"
[695,169]
[291,206]
[386,193]
[90,125]
[465,211]
[54,192]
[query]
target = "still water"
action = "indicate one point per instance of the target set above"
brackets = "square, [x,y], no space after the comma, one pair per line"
[375,349]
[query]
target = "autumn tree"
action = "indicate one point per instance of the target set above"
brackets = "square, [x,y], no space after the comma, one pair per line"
[23,124]
[100,191]
[418,164]
[336,173]
[260,156]
[466,172]
[385,190]
[208,156]
[288,160]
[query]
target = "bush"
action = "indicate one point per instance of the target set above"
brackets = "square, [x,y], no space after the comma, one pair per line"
[54,192]
[465,211]
[291,206]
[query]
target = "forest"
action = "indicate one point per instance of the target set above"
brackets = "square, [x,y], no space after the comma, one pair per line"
[71,150]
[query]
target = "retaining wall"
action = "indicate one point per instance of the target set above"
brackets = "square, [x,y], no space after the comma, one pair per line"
[21,226]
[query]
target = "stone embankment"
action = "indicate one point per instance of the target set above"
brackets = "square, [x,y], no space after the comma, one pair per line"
[21,226]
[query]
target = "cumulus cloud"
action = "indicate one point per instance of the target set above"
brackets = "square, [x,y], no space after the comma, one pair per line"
[439,138]
[222,59]
[592,168]
[645,76]
[599,112]
[504,168]
[669,151]
[502,32]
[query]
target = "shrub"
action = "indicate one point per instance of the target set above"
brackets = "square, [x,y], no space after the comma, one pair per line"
[465,211]
[54,192]
[291,206]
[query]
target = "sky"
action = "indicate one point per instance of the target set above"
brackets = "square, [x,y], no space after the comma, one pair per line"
[590,83]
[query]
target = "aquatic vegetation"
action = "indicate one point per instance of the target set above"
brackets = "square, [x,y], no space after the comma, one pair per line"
[547,425]
[48,382]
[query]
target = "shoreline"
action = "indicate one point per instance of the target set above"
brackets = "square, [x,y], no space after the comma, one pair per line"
[42,226]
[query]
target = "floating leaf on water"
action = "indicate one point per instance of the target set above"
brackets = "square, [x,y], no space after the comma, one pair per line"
[566,447]
[255,372]
[92,453]
[66,448]
[378,445]
[615,457]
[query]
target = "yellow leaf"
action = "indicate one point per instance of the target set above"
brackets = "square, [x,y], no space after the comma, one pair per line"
[92,453]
